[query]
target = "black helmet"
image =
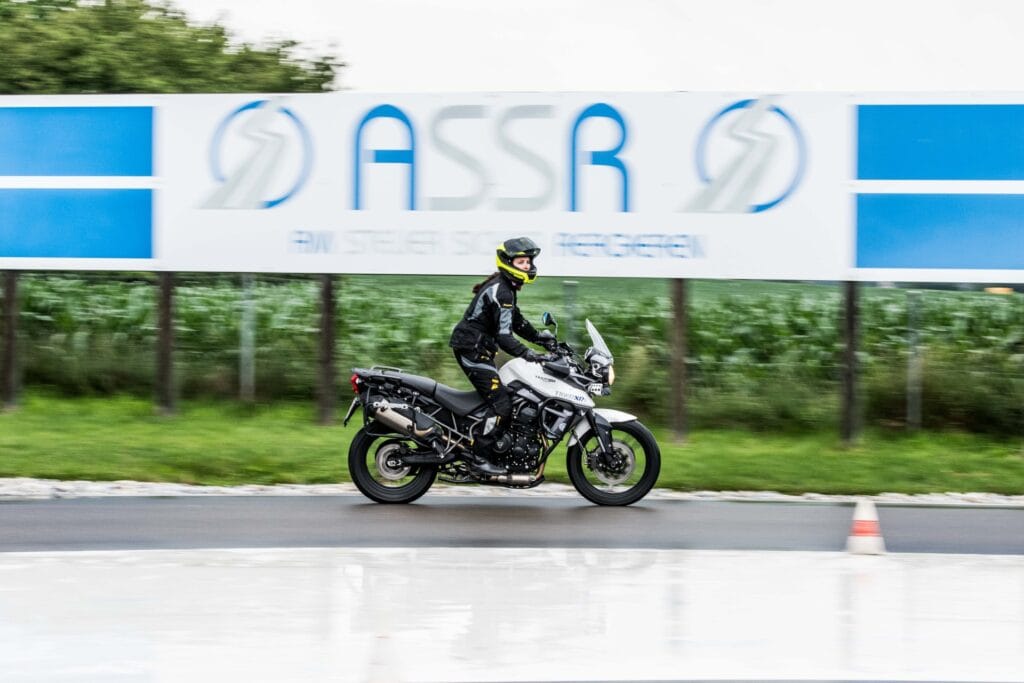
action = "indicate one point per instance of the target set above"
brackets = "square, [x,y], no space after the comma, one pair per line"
[513,248]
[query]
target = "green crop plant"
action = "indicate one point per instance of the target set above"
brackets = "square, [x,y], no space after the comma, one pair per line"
[762,355]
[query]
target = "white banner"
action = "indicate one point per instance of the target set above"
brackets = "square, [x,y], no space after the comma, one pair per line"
[431,184]
[689,185]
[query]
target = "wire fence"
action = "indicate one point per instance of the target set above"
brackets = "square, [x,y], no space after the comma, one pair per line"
[761,355]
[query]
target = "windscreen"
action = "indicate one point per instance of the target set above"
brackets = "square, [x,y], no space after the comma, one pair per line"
[597,341]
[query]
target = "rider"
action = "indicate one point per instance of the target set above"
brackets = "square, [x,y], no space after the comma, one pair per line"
[488,324]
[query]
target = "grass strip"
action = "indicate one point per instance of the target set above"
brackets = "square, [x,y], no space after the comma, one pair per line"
[224,443]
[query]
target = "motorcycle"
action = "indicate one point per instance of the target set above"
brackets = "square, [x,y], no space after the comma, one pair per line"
[416,430]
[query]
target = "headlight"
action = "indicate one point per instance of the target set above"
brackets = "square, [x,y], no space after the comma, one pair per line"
[611,375]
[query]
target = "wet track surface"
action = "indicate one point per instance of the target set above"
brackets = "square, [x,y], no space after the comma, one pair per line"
[352,521]
[509,614]
[334,587]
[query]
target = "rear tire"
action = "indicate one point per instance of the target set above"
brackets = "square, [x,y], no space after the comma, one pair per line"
[367,465]
[632,475]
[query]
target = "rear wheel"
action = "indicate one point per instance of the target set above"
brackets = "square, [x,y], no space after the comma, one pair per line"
[622,477]
[376,472]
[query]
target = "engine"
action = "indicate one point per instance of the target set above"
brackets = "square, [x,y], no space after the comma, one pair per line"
[524,453]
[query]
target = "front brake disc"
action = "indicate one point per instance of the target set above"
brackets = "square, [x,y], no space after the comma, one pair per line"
[623,462]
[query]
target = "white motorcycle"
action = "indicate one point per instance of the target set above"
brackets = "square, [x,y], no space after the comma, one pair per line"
[416,430]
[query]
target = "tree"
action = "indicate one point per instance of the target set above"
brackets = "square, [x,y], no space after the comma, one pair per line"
[140,46]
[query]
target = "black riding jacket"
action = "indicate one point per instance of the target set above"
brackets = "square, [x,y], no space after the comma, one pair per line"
[491,319]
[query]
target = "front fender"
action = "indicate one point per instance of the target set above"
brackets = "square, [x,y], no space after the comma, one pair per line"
[613,417]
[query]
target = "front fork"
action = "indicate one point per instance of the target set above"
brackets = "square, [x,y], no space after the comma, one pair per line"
[603,429]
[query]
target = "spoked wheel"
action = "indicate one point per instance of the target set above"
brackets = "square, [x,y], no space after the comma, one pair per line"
[376,472]
[622,477]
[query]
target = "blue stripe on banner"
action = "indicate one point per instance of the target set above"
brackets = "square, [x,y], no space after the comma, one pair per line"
[979,231]
[76,223]
[940,142]
[76,141]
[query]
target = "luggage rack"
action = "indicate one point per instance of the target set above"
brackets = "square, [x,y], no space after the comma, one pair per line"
[385,368]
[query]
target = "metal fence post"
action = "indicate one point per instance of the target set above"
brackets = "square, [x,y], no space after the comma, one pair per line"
[914,369]
[848,420]
[247,342]
[677,384]
[165,345]
[9,364]
[327,391]
[569,292]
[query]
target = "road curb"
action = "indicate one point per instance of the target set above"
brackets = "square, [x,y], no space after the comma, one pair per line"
[24,488]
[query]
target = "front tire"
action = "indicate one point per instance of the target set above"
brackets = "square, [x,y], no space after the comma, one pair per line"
[625,478]
[370,472]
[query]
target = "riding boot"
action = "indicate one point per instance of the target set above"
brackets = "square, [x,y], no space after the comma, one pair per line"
[477,456]
[479,463]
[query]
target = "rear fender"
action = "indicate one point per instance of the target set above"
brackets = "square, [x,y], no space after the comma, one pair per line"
[612,417]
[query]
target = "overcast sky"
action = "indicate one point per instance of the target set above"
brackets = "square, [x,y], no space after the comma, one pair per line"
[717,45]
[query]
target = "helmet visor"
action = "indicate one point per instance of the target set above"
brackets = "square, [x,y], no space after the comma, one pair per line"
[521,246]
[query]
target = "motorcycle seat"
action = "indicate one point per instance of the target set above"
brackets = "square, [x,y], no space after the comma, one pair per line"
[422,384]
[459,402]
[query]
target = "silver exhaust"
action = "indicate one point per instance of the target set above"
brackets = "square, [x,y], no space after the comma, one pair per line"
[514,479]
[408,420]
[388,414]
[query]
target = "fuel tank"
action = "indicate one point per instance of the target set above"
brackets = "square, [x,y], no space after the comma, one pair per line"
[533,376]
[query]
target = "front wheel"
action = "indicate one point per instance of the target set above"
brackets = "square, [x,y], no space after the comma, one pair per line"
[375,471]
[621,477]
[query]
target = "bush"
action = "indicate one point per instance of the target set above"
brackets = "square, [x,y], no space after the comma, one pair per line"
[978,392]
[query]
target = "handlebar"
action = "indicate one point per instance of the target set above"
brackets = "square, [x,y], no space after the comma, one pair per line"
[565,352]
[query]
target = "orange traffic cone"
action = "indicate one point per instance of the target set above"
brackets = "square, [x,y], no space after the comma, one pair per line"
[865,537]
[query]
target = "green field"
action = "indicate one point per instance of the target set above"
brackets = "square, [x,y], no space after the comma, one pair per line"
[221,443]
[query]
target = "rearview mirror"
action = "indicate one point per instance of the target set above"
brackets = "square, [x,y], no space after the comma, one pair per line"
[549,320]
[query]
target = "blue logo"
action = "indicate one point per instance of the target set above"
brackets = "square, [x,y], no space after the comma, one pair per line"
[606,157]
[259,180]
[761,131]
